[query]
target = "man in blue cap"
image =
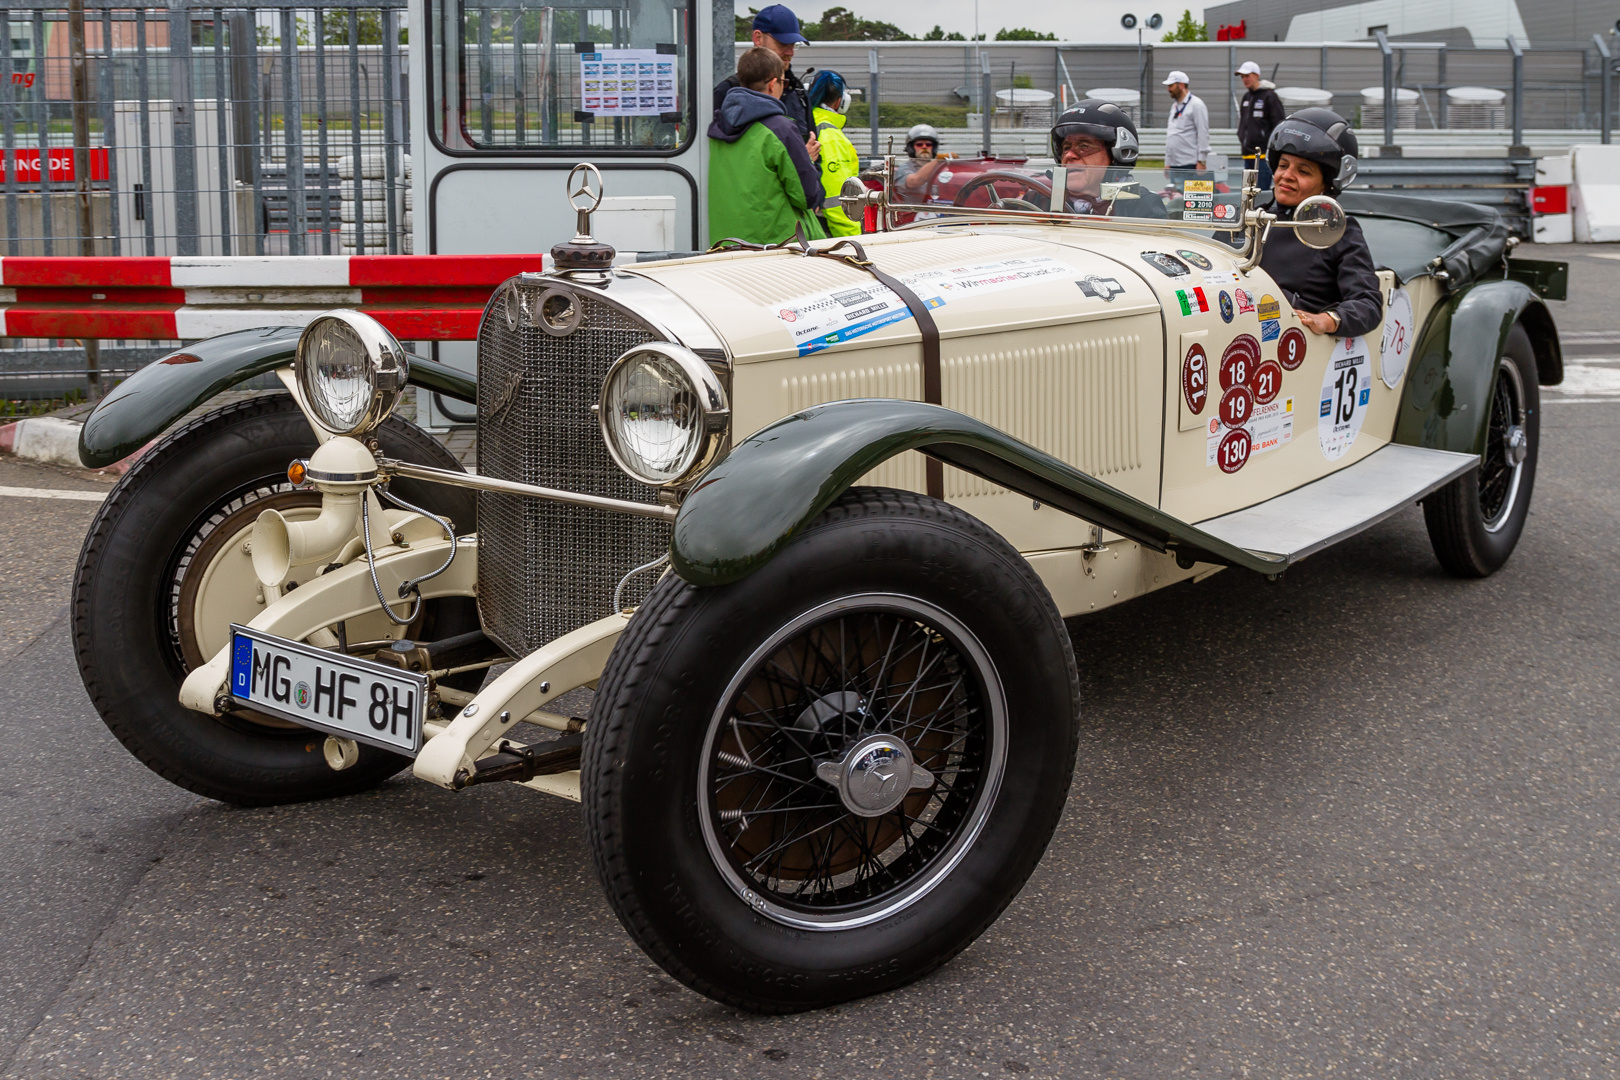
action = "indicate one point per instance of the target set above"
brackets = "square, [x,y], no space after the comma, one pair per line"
[776,28]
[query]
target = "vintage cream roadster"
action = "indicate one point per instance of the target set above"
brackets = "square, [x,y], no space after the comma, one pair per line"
[809,520]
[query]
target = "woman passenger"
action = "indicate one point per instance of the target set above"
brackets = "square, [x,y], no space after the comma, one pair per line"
[1333,290]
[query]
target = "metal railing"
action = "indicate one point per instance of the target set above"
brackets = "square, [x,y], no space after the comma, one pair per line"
[1550,87]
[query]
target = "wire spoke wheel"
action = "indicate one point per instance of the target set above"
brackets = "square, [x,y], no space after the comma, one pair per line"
[1505,449]
[852,761]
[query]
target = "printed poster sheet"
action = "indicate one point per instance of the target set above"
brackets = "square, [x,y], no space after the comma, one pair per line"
[627,82]
[822,319]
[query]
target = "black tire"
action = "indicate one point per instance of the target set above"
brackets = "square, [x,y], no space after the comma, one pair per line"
[655,771]
[126,633]
[1475,521]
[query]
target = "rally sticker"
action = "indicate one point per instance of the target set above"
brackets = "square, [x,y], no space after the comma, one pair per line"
[1397,338]
[822,319]
[1102,288]
[1220,279]
[1239,362]
[1245,302]
[1291,349]
[1195,379]
[1168,265]
[1237,404]
[1198,204]
[1346,392]
[1194,257]
[1225,212]
[1266,382]
[1270,327]
[1226,307]
[1192,300]
[1269,426]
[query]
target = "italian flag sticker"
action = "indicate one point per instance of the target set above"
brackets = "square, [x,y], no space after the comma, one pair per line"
[1192,301]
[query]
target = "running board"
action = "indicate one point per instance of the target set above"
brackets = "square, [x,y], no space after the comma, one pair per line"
[1320,514]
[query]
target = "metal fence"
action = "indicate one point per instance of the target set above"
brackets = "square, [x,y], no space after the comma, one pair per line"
[204,130]
[1026,83]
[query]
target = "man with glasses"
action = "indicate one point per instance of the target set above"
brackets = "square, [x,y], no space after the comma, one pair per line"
[914,177]
[1096,143]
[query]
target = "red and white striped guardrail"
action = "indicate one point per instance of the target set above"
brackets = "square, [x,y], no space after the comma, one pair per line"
[141,298]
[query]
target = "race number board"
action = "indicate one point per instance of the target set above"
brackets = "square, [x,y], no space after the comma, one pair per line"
[1346,393]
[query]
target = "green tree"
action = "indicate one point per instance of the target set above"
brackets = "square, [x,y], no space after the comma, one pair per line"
[1023,34]
[842,24]
[1188,30]
[745,25]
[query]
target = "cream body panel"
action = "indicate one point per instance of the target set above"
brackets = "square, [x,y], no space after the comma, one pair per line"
[1083,582]
[1090,399]
[1075,375]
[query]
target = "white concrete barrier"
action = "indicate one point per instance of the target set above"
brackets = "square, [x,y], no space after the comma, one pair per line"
[1595,194]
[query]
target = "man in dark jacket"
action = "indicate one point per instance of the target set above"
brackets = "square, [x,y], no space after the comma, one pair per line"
[777,29]
[1258,115]
[762,185]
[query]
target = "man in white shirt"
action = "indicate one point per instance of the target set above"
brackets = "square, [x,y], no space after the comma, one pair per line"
[1186,138]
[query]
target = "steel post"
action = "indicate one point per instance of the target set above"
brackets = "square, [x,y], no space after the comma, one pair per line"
[143,93]
[1391,105]
[109,127]
[1604,62]
[322,124]
[42,127]
[80,69]
[391,164]
[8,134]
[183,101]
[354,133]
[292,129]
[985,97]
[1518,149]
[872,97]
[223,134]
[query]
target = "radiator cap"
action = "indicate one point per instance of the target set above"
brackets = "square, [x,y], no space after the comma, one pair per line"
[583,252]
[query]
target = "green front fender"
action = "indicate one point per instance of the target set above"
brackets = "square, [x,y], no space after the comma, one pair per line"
[147,402]
[1447,398]
[750,504]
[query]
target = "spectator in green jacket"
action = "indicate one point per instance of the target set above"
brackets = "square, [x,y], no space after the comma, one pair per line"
[839,161]
[762,183]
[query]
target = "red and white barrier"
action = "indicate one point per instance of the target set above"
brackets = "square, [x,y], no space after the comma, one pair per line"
[1551,220]
[417,297]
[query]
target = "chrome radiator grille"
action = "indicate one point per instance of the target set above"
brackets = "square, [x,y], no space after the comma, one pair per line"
[544,568]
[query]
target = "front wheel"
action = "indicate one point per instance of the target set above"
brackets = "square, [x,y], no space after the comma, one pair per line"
[827,779]
[166,568]
[1475,521]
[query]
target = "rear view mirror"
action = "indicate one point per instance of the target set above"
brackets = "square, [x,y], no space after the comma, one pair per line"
[1319,222]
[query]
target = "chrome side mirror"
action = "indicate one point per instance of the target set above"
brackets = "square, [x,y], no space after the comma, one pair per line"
[1319,222]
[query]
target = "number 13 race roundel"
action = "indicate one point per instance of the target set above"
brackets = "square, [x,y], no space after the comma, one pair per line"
[1346,393]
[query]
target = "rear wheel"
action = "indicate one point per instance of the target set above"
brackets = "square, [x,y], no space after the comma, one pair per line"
[165,570]
[827,779]
[1475,521]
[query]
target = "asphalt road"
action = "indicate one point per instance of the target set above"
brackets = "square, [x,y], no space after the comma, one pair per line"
[1359,822]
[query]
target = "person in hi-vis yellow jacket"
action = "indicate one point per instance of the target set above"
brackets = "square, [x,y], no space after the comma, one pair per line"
[829,100]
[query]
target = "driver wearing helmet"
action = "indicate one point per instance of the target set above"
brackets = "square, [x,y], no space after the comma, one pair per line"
[914,177]
[1333,291]
[1096,143]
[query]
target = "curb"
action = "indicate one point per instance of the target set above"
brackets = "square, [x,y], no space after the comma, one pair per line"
[55,441]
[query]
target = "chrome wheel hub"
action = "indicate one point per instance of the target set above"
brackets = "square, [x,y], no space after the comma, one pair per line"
[875,775]
[1516,446]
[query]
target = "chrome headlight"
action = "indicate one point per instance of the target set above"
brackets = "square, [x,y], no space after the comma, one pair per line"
[663,413]
[351,371]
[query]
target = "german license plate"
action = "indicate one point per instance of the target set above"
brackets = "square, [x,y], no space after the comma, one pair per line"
[364,700]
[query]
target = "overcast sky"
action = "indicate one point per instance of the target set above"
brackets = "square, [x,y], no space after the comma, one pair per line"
[1070,20]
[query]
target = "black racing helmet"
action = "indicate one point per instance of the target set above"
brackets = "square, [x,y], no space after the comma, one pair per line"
[1103,121]
[1319,135]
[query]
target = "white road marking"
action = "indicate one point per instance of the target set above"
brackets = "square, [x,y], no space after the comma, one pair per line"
[52,493]
[1590,379]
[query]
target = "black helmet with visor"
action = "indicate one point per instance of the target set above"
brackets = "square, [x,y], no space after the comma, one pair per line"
[1101,120]
[1319,135]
